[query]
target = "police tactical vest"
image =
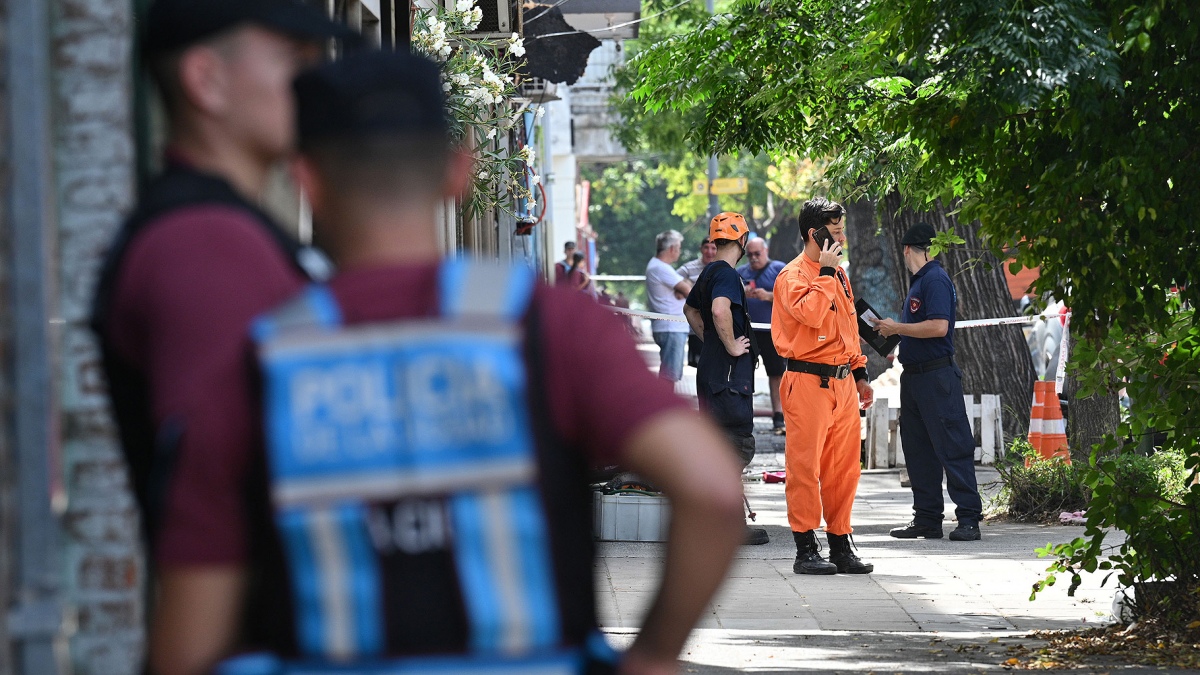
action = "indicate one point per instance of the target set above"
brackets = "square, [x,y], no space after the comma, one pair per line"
[387,440]
[150,453]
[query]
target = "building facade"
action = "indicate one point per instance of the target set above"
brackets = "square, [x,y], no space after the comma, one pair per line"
[79,131]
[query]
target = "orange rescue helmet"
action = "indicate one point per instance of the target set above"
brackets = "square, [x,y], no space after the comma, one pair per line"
[728,225]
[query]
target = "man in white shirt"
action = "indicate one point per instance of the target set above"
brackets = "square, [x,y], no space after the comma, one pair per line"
[666,290]
[692,270]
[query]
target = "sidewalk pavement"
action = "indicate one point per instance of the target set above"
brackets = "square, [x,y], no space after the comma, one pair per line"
[930,605]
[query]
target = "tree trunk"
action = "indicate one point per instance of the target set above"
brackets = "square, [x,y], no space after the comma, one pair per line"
[784,233]
[875,270]
[1090,420]
[994,359]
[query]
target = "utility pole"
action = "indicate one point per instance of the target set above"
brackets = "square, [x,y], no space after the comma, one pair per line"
[35,618]
[713,207]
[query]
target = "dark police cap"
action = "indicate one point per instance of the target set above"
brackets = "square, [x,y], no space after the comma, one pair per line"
[171,25]
[920,234]
[371,93]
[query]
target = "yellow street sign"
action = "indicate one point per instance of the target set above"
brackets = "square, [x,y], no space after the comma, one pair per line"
[722,186]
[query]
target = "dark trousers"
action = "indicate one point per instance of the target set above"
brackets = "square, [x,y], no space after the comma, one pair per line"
[695,346]
[937,438]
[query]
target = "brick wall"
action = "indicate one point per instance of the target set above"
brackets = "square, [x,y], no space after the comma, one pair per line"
[94,159]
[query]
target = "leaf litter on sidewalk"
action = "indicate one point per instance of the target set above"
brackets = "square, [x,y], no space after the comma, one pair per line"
[1144,644]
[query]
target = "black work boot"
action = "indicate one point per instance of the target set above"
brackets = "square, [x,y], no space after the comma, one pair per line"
[808,555]
[841,555]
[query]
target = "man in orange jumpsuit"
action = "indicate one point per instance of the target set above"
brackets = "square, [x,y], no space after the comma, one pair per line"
[815,329]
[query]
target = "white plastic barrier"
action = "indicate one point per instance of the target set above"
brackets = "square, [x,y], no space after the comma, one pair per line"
[882,434]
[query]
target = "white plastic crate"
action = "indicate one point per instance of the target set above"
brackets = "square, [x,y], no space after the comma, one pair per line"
[630,517]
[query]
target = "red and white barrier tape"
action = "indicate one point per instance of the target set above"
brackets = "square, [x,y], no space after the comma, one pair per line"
[971,323]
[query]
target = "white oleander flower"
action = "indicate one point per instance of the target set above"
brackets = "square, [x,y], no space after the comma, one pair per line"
[526,155]
[446,87]
[541,111]
[535,179]
[491,134]
[516,46]
[476,16]
[532,204]
[464,5]
[484,175]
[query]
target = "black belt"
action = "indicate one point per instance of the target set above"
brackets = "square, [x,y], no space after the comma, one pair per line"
[929,365]
[825,371]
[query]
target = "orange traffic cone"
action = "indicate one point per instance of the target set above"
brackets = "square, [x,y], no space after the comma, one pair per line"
[1047,432]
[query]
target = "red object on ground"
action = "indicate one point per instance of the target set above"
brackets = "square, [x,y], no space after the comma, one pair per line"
[774,476]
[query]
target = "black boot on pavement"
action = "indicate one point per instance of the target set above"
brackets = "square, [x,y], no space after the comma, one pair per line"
[966,532]
[915,530]
[841,554]
[777,426]
[808,555]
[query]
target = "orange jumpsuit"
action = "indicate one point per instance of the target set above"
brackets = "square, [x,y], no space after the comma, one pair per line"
[813,320]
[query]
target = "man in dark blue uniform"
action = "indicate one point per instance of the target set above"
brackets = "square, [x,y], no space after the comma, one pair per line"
[933,417]
[759,275]
[716,310]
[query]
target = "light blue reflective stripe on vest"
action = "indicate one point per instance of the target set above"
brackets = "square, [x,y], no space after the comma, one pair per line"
[504,568]
[472,288]
[378,412]
[500,536]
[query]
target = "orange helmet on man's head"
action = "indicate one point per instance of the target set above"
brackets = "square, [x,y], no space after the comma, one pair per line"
[728,225]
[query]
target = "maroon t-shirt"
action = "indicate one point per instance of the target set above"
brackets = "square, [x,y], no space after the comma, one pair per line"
[598,390]
[189,285]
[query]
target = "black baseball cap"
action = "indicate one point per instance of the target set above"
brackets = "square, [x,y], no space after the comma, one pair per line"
[171,25]
[920,234]
[371,93]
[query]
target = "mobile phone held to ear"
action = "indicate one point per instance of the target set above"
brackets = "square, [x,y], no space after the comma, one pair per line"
[822,237]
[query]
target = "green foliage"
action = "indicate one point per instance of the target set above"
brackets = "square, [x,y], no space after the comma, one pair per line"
[1036,490]
[661,138]
[479,79]
[944,240]
[1070,129]
[1155,499]
[662,133]
[629,206]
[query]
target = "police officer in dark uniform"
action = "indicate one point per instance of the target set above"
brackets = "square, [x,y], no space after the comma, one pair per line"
[402,487]
[198,258]
[716,310]
[933,417]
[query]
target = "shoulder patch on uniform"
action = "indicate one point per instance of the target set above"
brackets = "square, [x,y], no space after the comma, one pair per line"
[914,304]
